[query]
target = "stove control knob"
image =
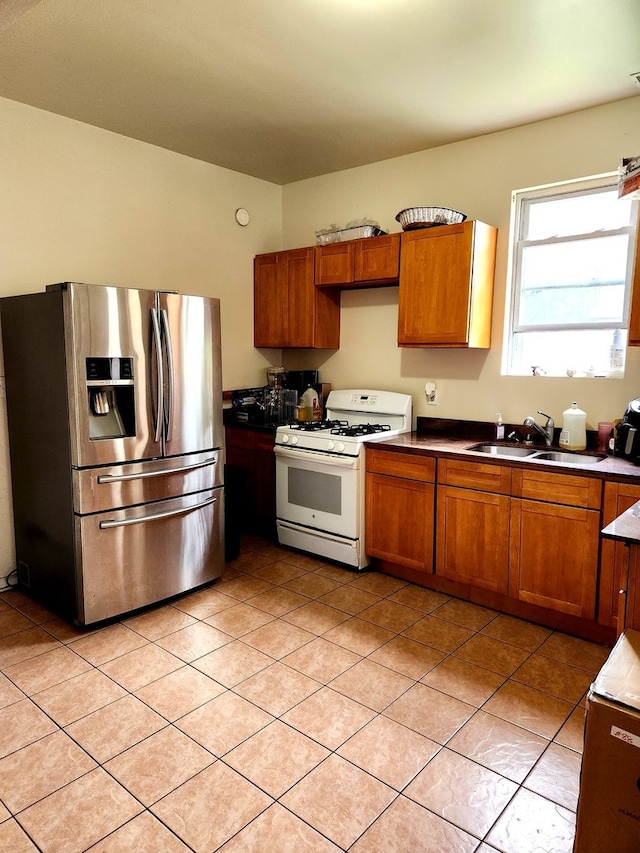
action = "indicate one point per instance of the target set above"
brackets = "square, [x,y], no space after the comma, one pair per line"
[285,439]
[294,439]
[341,447]
[331,445]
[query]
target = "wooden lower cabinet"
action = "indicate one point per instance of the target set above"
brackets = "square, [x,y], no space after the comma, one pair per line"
[250,462]
[629,595]
[472,540]
[524,540]
[400,509]
[472,529]
[618,497]
[553,559]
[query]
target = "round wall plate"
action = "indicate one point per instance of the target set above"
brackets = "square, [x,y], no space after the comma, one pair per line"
[242,216]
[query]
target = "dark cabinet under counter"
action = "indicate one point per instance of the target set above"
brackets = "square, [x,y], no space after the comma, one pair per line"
[251,468]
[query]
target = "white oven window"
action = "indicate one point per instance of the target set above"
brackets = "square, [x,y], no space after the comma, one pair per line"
[315,490]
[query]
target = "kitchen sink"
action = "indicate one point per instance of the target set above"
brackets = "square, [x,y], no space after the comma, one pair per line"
[502,450]
[534,455]
[566,456]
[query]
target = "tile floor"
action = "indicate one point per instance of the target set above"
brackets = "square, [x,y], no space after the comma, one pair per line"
[291,706]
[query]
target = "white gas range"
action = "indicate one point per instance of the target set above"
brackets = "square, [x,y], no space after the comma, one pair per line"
[320,472]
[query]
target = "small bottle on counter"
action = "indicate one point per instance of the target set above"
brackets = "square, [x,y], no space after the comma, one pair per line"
[499,431]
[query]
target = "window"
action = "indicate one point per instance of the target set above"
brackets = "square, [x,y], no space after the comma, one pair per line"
[571,267]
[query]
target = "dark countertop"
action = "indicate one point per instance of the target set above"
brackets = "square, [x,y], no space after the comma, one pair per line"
[610,468]
[626,527]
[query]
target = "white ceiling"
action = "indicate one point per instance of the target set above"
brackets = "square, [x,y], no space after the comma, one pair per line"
[289,89]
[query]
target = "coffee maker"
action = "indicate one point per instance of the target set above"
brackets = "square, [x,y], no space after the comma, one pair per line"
[627,442]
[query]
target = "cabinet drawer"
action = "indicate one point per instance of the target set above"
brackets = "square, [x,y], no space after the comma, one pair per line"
[555,488]
[475,475]
[406,465]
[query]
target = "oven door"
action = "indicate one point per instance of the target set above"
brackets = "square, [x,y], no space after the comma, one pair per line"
[319,491]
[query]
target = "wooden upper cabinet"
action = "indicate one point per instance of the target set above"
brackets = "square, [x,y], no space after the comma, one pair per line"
[359,263]
[289,311]
[268,300]
[446,286]
[634,314]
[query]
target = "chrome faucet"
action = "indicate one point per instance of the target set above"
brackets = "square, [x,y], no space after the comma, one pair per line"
[546,431]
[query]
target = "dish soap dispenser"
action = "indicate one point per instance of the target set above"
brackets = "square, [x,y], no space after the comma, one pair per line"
[574,429]
[499,427]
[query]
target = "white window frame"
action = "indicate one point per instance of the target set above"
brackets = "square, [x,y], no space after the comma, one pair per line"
[518,225]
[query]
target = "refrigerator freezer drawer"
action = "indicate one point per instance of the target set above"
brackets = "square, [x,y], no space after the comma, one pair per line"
[131,558]
[98,489]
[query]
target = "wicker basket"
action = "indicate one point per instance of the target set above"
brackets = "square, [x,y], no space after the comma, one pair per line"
[427,217]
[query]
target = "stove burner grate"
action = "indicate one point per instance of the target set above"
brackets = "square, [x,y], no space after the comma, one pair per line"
[313,426]
[360,429]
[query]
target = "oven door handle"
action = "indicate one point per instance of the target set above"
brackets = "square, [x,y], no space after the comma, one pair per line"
[313,456]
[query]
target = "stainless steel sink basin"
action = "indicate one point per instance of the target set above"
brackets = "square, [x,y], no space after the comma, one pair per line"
[566,456]
[533,454]
[502,449]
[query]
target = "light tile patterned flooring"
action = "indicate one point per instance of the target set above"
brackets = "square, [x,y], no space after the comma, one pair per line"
[292,706]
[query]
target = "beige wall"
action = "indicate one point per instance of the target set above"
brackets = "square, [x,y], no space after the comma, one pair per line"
[477,177]
[82,204]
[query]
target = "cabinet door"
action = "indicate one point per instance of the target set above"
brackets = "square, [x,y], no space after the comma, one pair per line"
[618,497]
[289,310]
[399,524]
[473,537]
[334,263]
[630,590]
[634,311]
[377,259]
[251,453]
[553,558]
[269,294]
[299,308]
[446,286]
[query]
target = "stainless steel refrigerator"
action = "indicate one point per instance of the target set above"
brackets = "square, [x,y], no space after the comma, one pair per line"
[116,441]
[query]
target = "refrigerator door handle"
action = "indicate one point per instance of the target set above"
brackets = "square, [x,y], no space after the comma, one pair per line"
[126,522]
[157,338]
[170,371]
[121,478]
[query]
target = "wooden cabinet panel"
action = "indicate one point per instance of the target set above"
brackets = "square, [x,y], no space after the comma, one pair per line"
[556,488]
[472,537]
[399,521]
[629,594]
[251,453]
[334,263]
[377,259]
[446,286]
[553,559]
[618,497]
[407,465]
[289,311]
[475,475]
[366,262]
[634,312]
[269,295]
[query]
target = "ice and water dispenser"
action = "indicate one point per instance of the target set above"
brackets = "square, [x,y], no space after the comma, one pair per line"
[110,397]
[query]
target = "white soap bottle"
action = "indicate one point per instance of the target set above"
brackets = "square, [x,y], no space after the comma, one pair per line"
[574,429]
[499,427]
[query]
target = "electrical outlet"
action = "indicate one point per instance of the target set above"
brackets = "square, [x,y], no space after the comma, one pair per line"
[431,393]
[3,387]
